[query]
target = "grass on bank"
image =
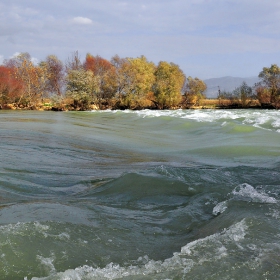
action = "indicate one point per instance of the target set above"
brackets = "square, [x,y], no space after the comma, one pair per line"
[67,105]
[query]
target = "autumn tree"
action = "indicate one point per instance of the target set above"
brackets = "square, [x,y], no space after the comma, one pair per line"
[270,78]
[169,81]
[33,78]
[194,91]
[263,95]
[119,77]
[140,78]
[132,79]
[96,64]
[10,87]
[103,71]
[54,74]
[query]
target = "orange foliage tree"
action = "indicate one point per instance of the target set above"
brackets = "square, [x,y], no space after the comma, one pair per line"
[10,88]
[32,77]
[103,75]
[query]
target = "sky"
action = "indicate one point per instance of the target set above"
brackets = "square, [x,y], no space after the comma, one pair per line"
[206,38]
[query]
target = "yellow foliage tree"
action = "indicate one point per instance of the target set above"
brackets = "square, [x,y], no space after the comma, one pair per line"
[33,78]
[169,81]
[141,76]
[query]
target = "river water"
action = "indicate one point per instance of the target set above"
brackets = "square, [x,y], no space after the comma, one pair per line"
[184,194]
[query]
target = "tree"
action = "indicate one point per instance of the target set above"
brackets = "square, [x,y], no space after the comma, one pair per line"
[73,62]
[80,83]
[270,78]
[244,93]
[80,87]
[263,94]
[10,87]
[33,77]
[96,64]
[224,97]
[141,77]
[194,90]
[54,74]
[120,80]
[102,71]
[17,60]
[169,81]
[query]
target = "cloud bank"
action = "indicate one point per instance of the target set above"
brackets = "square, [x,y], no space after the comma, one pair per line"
[207,38]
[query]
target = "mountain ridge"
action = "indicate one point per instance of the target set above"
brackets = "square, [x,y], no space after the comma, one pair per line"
[227,83]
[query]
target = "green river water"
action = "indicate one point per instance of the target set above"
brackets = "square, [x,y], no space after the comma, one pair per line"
[184,194]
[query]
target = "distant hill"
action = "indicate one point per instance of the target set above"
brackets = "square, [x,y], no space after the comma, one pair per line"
[226,84]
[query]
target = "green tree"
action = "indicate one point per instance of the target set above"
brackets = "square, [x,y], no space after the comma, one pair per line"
[169,81]
[80,86]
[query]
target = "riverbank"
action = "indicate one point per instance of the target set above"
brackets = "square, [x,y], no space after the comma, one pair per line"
[204,104]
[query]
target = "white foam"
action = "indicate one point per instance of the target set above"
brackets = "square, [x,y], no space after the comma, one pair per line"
[31,228]
[210,248]
[115,271]
[40,227]
[269,120]
[276,123]
[235,233]
[47,263]
[220,208]
[244,192]
[248,192]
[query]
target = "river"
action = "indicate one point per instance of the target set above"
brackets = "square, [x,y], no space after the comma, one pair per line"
[183,194]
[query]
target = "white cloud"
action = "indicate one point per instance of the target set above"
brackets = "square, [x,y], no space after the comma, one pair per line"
[82,20]
[1,59]
[34,60]
[15,55]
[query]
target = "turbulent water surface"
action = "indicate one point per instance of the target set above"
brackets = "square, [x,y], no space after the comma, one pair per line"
[140,195]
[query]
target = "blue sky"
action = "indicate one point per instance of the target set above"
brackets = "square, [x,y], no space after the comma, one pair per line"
[206,38]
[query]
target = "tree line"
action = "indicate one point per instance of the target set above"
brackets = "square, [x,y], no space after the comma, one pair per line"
[121,83]
[132,83]
[266,92]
